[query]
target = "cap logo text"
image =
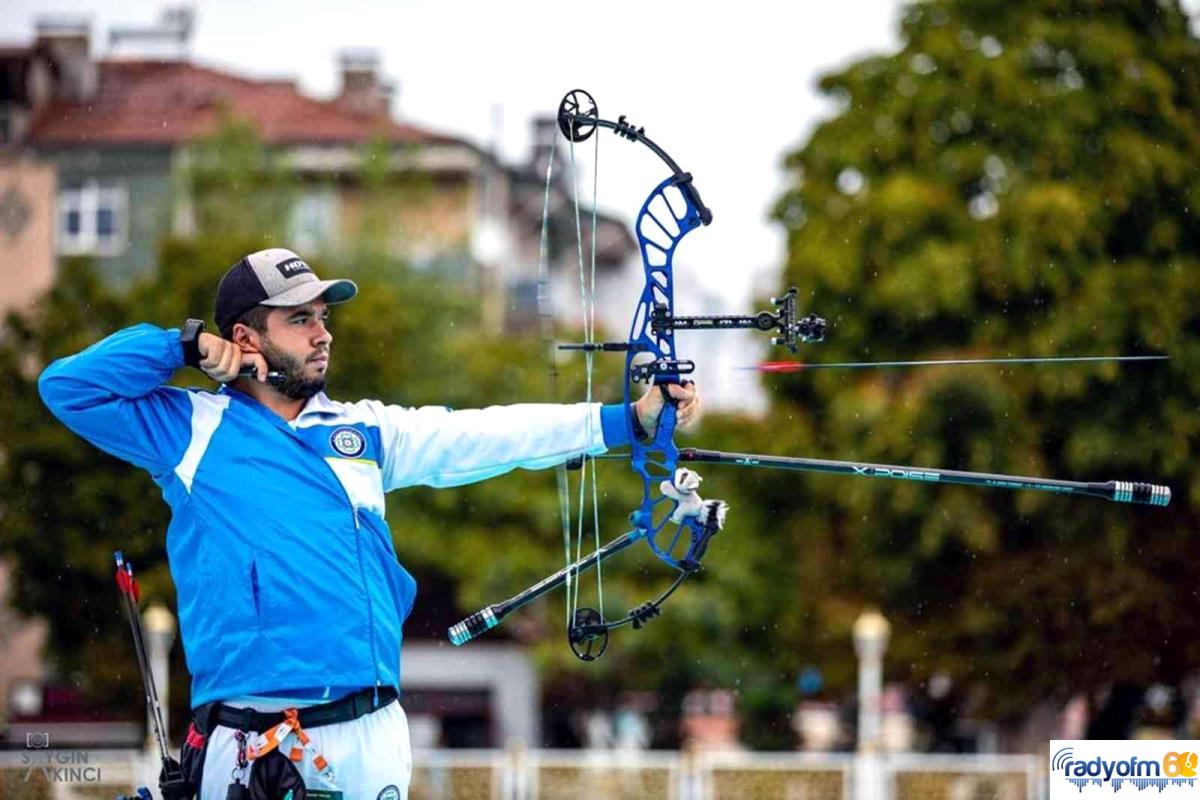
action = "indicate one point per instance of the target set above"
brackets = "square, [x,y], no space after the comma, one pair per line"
[292,267]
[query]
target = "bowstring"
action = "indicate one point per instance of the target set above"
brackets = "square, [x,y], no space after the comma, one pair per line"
[546,313]
[595,471]
[587,297]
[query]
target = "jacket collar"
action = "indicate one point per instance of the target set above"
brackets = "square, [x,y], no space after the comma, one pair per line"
[319,403]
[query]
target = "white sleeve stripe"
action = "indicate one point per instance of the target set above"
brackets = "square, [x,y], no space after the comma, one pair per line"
[434,446]
[206,416]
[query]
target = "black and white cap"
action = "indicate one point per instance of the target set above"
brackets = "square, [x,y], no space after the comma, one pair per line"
[274,277]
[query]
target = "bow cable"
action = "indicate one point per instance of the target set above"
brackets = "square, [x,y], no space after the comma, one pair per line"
[546,313]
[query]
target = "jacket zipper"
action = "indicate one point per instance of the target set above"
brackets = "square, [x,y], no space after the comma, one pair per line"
[363,577]
[362,574]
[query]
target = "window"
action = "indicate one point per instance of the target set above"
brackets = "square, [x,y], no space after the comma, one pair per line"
[93,217]
[314,221]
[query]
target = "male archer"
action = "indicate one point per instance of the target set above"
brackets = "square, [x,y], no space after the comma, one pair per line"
[291,599]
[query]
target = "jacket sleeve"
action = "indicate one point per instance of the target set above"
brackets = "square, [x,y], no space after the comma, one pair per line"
[112,395]
[434,446]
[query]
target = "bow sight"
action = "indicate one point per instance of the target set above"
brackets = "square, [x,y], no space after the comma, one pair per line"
[793,332]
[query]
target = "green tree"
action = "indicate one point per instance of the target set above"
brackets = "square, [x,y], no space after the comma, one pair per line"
[1018,179]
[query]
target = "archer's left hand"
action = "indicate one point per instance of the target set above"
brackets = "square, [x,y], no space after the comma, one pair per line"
[687,406]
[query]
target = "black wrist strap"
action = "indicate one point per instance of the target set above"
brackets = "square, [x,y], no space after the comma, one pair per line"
[189,338]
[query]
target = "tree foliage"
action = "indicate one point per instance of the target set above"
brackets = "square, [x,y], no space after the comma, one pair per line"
[1018,179]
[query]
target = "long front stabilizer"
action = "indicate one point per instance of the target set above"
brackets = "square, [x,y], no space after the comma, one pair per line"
[1117,491]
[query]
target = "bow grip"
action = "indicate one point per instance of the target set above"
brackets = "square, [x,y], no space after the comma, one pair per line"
[665,432]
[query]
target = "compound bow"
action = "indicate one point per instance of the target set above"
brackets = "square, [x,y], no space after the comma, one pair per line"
[673,520]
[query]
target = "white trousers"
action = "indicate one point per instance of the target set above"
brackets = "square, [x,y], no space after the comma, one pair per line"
[370,757]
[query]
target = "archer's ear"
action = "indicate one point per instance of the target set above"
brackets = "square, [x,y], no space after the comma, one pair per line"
[246,337]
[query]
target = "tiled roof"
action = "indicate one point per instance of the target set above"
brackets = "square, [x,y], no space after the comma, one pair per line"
[172,102]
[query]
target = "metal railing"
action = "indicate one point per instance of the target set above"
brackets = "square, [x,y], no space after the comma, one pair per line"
[519,774]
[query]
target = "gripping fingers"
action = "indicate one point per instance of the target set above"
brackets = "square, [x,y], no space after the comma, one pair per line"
[686,401]
[222,361]
[210,364]
[689,412]
[258,362]
[227,367]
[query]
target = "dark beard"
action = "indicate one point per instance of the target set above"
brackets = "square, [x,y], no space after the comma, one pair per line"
[294,384]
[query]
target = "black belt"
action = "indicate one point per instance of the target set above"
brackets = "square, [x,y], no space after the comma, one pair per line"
[348,708]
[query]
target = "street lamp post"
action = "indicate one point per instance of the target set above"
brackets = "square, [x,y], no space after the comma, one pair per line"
[160,635]
[871,632]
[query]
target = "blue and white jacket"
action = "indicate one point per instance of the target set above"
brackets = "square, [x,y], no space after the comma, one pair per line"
[286,574]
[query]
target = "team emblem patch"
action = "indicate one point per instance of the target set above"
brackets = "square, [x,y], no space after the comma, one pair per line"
[389,793]
[348,442]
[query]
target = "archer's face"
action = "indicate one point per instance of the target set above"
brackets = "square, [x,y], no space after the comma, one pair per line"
[296,343]
[300,333]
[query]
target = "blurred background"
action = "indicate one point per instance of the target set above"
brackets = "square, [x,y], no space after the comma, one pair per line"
[949,178]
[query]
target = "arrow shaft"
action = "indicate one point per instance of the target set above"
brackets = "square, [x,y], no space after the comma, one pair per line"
[797,366]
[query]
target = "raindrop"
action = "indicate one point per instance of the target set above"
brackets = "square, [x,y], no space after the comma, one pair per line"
[990,46]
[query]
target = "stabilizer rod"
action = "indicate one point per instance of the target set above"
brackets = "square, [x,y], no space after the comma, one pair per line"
[487,618]
[1117,491]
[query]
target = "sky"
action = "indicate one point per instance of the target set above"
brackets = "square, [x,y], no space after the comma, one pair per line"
[727,93]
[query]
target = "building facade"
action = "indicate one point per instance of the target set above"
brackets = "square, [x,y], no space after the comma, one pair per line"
[123,139]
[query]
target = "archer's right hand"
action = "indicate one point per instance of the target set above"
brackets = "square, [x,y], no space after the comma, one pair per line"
[222,360]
